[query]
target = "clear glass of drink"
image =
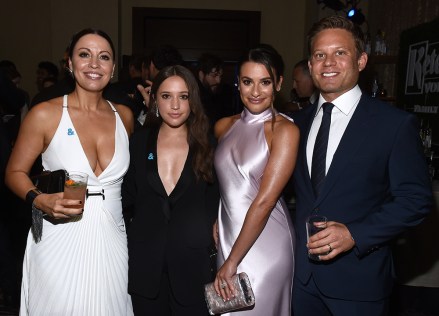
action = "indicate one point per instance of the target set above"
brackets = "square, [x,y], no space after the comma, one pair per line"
[75,187]
[314,224]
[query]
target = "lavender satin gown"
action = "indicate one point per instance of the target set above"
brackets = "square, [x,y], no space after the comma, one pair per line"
[240,160]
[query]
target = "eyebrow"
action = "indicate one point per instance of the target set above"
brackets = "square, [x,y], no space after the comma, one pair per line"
[88,49]
[265,78]
[334,48]
[176,92]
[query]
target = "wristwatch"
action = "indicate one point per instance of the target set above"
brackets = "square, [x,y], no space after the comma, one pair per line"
[31,195]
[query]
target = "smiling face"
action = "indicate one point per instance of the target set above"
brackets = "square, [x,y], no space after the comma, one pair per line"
[173,101]
[92,62]
[256,87]
[335,65]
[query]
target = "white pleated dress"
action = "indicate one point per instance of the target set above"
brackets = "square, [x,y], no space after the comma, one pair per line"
[81,267]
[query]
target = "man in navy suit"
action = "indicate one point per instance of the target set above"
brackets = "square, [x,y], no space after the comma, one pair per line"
[376,183]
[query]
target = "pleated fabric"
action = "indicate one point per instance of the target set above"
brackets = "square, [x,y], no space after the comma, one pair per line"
[80,267]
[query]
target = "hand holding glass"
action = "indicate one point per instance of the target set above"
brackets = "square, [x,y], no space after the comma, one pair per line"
[314,224]
[75,187]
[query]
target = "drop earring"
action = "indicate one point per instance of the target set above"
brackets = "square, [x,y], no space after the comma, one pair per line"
[157,110]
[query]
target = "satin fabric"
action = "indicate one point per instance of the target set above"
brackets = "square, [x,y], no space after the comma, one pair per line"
[240,160]
[81,267]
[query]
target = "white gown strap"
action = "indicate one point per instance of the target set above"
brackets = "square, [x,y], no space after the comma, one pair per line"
[64,103]
[112,106]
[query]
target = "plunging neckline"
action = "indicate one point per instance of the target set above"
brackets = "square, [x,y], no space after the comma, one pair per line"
[179,177]
[82,147]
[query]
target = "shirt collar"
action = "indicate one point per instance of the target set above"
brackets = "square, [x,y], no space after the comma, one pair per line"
[344,103]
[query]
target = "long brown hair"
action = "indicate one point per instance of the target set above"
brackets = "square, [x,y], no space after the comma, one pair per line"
[197,122]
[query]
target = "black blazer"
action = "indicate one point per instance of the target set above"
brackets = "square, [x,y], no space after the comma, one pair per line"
[167,233]
[377,185]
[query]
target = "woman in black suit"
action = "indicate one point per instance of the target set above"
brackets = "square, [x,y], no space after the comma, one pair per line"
[170,185]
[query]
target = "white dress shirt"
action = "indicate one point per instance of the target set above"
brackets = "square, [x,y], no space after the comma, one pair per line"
[344,108]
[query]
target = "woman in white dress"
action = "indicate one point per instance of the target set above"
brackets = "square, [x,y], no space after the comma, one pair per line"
[79,267]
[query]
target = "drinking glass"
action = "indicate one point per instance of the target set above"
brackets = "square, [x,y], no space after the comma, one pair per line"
[314,224]
[75,187]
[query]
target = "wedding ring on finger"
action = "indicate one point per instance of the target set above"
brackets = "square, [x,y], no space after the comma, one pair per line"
[223,285]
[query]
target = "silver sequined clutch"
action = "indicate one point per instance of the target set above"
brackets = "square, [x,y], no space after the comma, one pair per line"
[244,296]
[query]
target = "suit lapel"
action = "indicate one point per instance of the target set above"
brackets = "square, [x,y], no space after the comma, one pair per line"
[184,181]
[152,174]
[156,183]
[353,138]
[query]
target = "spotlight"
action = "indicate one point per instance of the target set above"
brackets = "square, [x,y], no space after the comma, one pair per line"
[351,13]
[356,16]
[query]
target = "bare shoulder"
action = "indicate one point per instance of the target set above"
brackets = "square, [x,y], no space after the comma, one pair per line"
[224,124]
[40,123]
[285,126]
[126,116]
[123,110]
[284,132]
[48,112]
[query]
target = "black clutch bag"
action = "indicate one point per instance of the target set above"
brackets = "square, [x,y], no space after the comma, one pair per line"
[46,182]
[244,296]
[50,181]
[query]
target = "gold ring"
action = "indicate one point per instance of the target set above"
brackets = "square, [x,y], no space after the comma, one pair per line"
[330,248]
[223,285]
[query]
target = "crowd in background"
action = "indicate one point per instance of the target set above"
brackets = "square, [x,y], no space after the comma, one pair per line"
[183,166]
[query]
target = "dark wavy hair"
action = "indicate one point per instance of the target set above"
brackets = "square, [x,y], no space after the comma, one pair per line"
[166,55]
[337,22]
[266,55]
[87,31]
[197,122]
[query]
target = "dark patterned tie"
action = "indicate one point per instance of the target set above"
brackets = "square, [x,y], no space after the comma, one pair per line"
[318,167]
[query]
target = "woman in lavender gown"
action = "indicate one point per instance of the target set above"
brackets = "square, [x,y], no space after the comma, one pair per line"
[254,159]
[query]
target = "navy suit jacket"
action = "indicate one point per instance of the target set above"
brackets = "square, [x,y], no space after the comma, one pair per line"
[377,185]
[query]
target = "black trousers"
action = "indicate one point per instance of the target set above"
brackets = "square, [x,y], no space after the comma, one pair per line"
[165,303]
